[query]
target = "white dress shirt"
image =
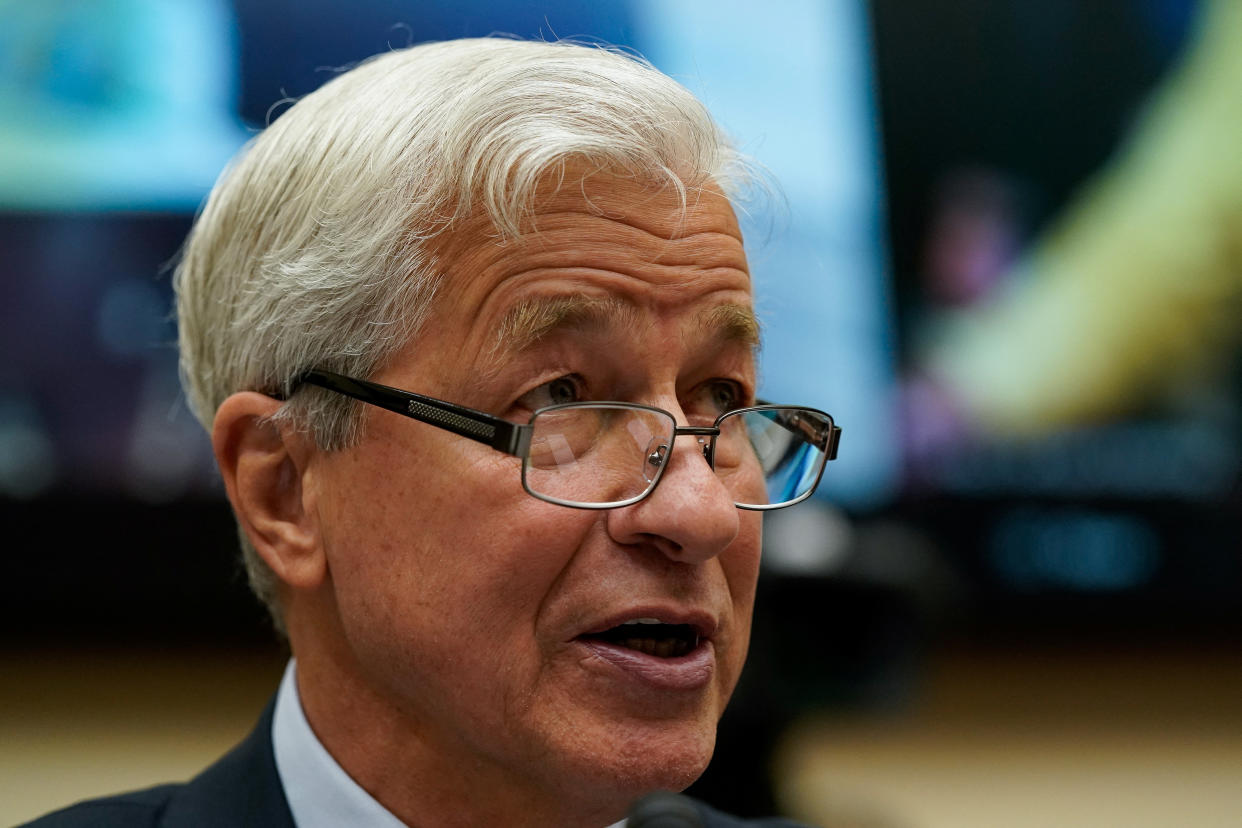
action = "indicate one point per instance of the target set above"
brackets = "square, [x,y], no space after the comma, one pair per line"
[320,793]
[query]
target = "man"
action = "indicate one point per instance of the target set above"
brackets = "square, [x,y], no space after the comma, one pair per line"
[525,253]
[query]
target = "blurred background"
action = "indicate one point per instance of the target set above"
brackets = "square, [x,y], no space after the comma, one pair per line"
[1007,257]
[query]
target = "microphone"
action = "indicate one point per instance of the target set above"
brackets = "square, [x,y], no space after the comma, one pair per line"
[664,809]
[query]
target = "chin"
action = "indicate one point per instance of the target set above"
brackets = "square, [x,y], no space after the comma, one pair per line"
[660,758]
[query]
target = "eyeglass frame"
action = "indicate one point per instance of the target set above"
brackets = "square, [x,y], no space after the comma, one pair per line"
[514,438]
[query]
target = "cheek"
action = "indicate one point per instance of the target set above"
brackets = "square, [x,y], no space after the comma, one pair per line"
[446,558]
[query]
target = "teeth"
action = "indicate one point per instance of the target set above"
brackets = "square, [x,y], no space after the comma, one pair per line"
[652,636]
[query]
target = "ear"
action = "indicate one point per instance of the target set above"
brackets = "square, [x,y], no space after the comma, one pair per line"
[266,469]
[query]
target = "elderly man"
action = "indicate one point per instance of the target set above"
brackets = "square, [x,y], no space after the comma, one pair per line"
[471,328]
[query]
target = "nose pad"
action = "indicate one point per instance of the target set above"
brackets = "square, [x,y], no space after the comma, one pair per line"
[654,457]
[707,446]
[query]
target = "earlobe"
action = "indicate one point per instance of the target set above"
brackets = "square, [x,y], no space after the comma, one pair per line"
[265,471]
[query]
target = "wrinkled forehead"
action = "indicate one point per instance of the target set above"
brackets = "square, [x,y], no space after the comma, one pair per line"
[593,251]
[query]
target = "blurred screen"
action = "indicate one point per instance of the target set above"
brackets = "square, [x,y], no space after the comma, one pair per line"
[122,113]
[1066,299]
[927,153]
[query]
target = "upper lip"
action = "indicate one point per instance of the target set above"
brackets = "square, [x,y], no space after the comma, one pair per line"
[704,623]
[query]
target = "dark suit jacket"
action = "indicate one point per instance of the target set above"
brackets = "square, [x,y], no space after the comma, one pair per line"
[242,789]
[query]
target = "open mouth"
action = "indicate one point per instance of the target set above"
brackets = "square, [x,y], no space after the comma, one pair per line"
[651,637]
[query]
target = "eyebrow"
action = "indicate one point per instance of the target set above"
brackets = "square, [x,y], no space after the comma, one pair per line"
[730,323]
[530,321]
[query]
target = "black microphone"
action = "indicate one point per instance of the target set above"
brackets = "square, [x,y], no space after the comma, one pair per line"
[664,809]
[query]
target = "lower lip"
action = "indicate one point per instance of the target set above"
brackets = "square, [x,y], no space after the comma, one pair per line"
[691,671]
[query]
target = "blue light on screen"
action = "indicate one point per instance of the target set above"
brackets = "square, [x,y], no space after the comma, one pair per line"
[115,104]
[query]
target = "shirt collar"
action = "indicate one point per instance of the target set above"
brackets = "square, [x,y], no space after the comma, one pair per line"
[320,793]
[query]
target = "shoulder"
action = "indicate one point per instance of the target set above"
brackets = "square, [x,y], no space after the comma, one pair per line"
[130,810]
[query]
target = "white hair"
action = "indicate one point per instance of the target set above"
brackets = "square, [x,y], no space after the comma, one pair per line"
[313,248]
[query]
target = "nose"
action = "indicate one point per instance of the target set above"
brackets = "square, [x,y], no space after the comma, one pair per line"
[690,517]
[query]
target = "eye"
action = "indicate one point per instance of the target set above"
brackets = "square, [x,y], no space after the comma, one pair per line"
[724,395]
[567,389]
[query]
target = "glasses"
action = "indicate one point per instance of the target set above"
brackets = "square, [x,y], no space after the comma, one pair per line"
[604,455]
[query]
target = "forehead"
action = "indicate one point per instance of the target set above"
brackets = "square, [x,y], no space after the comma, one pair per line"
[606,249]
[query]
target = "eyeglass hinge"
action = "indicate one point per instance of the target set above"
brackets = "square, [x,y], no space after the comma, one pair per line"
[834,437]
[517,441]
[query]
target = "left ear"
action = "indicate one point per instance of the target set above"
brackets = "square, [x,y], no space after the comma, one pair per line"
[266,469]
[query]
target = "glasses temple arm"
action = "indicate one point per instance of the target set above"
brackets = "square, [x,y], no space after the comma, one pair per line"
[511,438]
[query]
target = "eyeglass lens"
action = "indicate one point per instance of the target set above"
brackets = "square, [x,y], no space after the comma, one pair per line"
[613,454]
